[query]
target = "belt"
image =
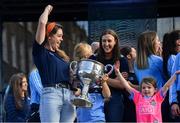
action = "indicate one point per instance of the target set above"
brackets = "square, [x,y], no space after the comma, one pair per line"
[58,85]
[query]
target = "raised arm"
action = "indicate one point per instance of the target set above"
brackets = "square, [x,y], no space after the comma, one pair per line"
[41,29]
[122,79]
[170,82]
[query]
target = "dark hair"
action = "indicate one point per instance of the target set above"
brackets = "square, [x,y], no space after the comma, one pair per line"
[56,27]
[125,51]
[148,80]
[169,48]
[101,53]
[53,31]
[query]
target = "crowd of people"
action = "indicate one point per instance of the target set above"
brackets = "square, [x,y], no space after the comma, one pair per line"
[135,91]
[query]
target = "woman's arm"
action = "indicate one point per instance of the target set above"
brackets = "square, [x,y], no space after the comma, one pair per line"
[41,29]
[115,83]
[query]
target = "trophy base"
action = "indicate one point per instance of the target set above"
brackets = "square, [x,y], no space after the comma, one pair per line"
[80,102]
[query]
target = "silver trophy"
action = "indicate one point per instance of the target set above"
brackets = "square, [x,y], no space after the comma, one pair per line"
[87,71]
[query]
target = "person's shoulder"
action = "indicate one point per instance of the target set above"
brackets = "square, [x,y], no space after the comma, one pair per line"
[122,59]
[34,72]
[156,58]
[178,55]
[9,98]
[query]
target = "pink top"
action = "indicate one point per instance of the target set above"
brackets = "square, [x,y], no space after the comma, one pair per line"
[148,109]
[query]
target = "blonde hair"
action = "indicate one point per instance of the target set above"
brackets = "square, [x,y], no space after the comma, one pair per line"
[82,51]
[63,55]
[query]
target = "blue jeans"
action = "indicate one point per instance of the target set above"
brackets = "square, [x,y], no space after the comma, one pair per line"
[55,105]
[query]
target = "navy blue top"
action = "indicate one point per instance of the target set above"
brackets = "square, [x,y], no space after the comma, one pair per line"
[123,68]
[51,67]
[114,108]
[16,115]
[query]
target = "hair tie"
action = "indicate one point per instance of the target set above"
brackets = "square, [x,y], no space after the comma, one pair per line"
[50,27]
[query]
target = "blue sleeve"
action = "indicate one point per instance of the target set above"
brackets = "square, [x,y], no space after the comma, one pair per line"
[176,85]
[35,81]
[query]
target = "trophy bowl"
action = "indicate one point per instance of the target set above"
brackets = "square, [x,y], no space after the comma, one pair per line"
[87,71]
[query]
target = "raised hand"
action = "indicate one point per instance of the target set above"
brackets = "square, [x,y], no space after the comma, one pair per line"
[49,8]
[116,66]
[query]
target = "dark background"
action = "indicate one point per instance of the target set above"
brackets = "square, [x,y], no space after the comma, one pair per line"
[72,10]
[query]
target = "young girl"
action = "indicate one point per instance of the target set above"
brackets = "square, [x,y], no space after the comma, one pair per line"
[17,103]
[148,101]
[97,91]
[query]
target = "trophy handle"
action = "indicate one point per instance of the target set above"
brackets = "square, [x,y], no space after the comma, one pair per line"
[73,70]
[109,65]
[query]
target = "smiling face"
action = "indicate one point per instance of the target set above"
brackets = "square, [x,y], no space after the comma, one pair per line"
[24,84]
[55,40]
[108,43]
[147,89]
[157,44]
[178,45]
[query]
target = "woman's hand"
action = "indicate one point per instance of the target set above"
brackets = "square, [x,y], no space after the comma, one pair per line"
[48,9]
[175,110]
[116,67]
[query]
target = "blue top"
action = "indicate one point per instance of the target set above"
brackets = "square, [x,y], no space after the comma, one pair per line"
[35,86]
[51,67]
[154,70]
[171,60]
[94,114]
[176,85]
[12,113]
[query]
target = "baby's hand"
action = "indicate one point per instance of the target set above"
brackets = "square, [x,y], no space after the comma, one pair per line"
[78,92]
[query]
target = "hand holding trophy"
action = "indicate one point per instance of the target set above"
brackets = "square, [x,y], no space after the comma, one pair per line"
[87,71]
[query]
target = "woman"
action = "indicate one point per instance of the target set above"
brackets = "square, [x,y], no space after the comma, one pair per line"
[130,54]
[108,53]
[147,62]
[17,104]
[53,66]
[171,46]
